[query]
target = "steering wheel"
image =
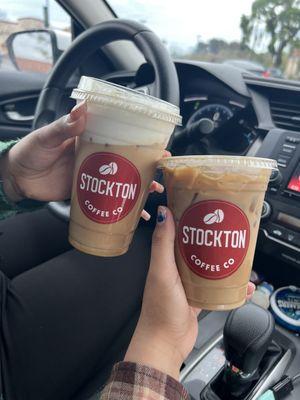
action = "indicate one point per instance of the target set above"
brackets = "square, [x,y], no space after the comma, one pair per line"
[165,85]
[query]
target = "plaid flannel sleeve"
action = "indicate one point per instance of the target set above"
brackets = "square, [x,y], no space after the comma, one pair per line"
[7,207]
[130,381]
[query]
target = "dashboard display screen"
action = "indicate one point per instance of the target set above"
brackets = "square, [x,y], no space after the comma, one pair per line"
[294,183]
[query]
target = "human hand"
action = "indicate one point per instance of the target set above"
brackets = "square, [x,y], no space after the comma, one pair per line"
[40,166]
[168,327]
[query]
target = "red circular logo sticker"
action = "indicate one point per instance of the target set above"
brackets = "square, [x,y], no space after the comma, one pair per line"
[213,238]
[108,186]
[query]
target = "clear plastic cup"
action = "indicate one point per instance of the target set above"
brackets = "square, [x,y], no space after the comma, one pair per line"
[116,158]
[216,202]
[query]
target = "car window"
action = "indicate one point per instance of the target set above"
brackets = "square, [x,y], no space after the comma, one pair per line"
[34,51]
[258,36]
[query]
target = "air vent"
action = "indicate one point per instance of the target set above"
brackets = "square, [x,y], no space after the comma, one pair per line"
[284,99]
[285,113]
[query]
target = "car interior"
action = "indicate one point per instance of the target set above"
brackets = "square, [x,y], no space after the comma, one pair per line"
[225,110]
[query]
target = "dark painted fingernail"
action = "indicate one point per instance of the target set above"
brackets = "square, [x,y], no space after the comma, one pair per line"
[161,214]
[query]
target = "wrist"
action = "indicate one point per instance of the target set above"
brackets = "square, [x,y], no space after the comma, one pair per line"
[154,351]
[9,185]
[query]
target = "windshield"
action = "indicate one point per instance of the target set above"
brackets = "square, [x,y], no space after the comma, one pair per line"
[260,36]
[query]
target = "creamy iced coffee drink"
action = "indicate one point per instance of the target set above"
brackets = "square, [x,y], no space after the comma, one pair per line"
[217,203]
[116,158]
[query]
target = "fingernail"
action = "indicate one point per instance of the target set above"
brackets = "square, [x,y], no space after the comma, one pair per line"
[79,106]
[160,188]
[161,214]
[145,215]
[77,112]
[253,287]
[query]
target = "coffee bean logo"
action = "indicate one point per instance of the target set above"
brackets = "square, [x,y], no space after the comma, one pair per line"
[109,169]
[215,217]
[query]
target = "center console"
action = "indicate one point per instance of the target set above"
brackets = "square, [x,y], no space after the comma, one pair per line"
[221,345]
[280,224]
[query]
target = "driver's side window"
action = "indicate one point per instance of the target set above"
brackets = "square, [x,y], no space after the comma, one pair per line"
[46,28]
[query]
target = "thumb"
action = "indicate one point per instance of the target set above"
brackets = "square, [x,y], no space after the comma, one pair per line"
[162,252]
[66,127]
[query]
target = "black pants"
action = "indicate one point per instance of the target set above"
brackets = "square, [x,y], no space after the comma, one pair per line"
[65,321]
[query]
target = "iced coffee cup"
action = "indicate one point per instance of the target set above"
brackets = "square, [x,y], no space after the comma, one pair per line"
[217,203]
[116,158]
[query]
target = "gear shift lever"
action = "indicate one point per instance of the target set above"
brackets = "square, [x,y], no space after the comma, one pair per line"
[247,334]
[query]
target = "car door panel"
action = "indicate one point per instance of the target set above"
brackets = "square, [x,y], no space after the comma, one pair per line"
[19,93]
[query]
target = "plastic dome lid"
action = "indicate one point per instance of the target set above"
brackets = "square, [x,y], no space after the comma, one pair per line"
[101,92]
[219,161]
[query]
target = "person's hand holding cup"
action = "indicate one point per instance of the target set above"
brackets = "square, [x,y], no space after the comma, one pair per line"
[168,326]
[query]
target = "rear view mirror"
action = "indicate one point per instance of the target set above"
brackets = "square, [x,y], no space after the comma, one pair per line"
[34,50]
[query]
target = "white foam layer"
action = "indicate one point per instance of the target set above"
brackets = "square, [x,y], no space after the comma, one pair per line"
[107,125]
